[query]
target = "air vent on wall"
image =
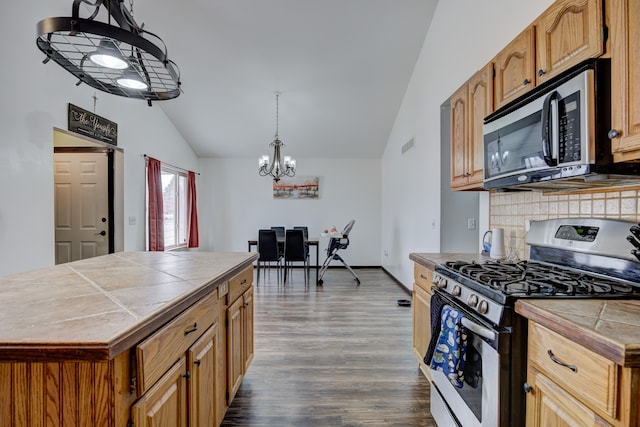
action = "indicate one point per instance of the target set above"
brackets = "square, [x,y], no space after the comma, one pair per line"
[408,146]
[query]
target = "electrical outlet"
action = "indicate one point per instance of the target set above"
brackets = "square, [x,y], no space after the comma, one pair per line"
[132,220]
[471,223]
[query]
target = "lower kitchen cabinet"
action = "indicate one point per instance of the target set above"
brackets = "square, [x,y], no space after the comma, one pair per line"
[239,340]
[421,314]
[203,361]
[165,404]
[571,385]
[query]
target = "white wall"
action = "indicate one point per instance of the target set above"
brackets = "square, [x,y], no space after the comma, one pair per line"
[34,101]
[236,202]
[464,35]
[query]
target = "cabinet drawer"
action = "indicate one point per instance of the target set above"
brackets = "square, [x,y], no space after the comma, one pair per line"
[422,277]
[591,378]
[156,354]
[240,283]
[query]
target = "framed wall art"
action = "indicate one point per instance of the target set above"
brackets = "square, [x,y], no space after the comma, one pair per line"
[297,187]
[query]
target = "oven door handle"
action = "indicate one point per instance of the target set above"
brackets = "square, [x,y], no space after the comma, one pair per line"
[478,329]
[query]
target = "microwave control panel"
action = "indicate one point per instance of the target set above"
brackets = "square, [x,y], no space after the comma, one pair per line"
[570,147]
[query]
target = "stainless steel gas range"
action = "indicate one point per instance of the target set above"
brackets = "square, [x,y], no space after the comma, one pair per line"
[569,258]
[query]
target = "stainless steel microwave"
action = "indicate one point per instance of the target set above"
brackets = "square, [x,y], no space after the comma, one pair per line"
[556,136]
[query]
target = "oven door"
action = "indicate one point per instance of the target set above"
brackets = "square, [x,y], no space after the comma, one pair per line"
[476,404]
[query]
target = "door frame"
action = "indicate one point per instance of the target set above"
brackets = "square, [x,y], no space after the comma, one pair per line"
[66,141]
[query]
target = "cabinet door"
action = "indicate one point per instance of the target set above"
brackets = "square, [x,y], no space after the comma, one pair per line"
[421,324]
[247,319]
[235,362]
[515,68]
[459,112]
[164,404]
[569,32]
[549,405]
[625,79]
[480,106]
[202,359]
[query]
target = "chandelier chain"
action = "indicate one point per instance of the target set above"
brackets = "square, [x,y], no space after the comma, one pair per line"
[277,112]
[131,7]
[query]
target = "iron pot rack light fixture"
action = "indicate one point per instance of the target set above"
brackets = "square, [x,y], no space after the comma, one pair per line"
[280,166]
[116,59]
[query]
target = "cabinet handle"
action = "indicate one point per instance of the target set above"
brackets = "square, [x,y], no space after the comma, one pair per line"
[244,282]
[192,329]
[526,82]
[561,363]
[187,376]
[614,133]
[196,362]
[423,277]
[527,388]
[541,72]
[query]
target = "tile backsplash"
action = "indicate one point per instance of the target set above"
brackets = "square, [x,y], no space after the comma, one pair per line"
[511,210]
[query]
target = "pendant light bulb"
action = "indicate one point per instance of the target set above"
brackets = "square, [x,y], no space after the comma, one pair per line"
[107,55]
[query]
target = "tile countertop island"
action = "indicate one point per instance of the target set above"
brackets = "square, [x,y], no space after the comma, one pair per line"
[608,327]
[96,308]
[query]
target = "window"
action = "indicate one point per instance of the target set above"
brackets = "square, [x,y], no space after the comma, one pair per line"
[174,202]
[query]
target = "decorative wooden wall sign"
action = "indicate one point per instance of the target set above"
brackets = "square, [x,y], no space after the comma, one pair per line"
[89,124]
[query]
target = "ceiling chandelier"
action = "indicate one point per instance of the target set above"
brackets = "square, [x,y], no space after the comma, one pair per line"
[279,167]
[116,59]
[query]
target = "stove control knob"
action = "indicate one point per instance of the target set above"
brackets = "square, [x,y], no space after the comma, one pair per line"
[483,307]
[440,282]
[457,290]
[472,301]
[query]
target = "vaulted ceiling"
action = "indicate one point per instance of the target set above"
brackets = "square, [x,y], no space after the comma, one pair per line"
[341,67]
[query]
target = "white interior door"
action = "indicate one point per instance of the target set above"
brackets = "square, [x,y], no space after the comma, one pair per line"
[81,205]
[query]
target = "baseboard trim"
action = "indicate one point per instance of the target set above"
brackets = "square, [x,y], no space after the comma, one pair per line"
[398,282]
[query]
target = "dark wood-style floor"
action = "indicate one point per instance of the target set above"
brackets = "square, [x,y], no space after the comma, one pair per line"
[335,355]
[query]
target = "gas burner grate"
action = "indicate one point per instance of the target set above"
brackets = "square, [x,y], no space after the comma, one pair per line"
[532,279]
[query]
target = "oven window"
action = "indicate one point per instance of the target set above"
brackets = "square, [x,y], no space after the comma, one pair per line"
[471,391]
[515,147]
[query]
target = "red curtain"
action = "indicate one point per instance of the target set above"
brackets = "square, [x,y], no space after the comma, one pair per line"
[192,212]
[156,212]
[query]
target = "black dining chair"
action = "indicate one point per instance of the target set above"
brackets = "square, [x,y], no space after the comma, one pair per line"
[295,251]
[269,251]
[279,232]
[305,232]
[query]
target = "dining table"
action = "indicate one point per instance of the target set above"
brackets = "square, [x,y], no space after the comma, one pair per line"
[312,241]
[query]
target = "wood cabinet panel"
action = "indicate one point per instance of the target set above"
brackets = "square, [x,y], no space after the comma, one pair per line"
[589,376]
[165,404]
[515,68]
[469,106]
[459,136]
[235,362]
[161,350]
[549,405]
[202,360]
[422,277]
[480,106]
[240,283]
[56,394]
[625,79]
[247,347]
[421,318]
[567,33]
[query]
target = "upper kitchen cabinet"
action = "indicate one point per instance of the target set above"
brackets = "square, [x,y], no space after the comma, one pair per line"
[515,68]
[469,106]
[567,33]
[625,80]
